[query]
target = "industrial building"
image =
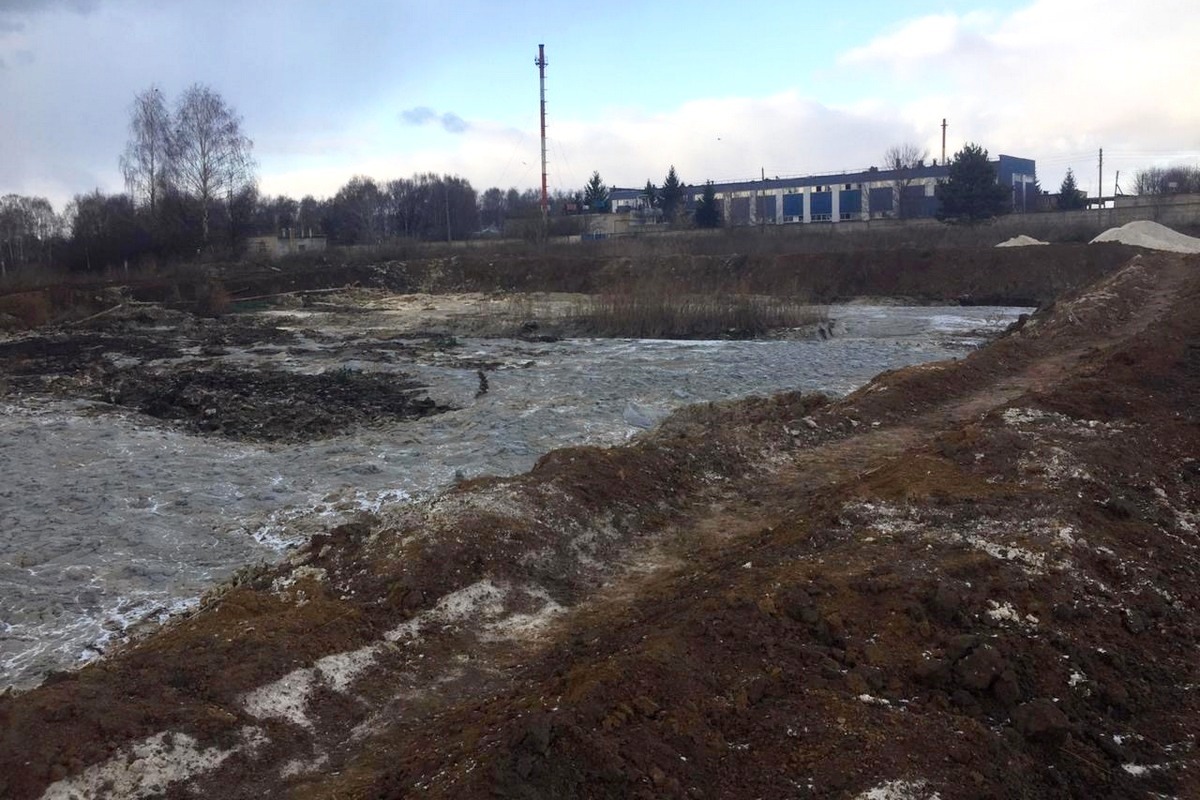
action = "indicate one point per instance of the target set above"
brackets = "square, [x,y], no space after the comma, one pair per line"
[841,197]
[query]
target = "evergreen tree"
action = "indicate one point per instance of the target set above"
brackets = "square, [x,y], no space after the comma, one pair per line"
[971,193]
[708,214]
[595,194]
[1069,195]
[650,195]
[670,197]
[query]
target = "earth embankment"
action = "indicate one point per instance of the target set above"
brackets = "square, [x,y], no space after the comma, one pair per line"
[976,276]
[967,579]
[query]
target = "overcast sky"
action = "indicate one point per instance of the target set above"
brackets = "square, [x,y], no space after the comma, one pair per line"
[723,90]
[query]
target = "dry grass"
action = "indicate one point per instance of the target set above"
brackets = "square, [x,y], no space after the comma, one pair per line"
[659,312]
[29,309]
[212,299]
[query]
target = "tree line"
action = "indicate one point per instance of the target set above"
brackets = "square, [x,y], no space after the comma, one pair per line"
[667,203]
[191,188]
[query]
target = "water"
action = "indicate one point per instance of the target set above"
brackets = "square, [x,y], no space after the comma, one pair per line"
[112,519]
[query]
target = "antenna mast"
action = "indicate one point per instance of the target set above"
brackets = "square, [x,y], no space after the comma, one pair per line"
[541,65]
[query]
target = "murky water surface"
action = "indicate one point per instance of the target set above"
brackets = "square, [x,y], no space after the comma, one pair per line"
[108,519]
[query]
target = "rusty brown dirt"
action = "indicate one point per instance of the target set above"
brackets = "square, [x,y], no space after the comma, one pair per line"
[972,579]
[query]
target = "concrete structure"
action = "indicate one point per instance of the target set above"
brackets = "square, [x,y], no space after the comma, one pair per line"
[844,197]
[288,242]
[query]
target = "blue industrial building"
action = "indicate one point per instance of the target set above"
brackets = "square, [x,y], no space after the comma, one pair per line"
[843,197]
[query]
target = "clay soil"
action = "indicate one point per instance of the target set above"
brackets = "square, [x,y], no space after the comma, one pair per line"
[974,579]
[113,360]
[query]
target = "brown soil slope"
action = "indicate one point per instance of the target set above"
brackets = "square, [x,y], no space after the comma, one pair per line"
[970,579]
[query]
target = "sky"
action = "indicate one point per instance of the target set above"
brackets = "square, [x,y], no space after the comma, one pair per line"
[720,90]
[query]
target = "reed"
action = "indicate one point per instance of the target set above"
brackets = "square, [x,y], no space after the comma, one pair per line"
[663,312]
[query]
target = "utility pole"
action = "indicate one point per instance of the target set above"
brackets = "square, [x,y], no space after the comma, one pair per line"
[1100,185]
[541,65]
[943,141]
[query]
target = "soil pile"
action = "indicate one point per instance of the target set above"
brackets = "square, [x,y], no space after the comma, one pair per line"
[1152,236]
[269,405]
[1021,241]
[968,579]
[128,364]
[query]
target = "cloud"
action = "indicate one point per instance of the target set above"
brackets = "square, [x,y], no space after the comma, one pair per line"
[20,7]
[1028,82]
[424,115]
[921,40]
[453,123]
[419,115]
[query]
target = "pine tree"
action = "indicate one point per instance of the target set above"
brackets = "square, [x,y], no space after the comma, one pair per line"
[970,192]
[650,195]
[595,194]
[708,215]
[1069,196]
[670,197]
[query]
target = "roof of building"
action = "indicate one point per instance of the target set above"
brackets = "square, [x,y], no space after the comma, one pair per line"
[872,175]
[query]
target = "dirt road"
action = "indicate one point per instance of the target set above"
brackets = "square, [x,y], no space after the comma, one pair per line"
[967,579]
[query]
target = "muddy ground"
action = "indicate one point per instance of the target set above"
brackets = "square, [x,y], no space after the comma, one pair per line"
[969,579]
[121,362]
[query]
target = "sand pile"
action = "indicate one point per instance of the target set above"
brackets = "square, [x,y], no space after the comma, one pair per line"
[1152,236]
[1020,241]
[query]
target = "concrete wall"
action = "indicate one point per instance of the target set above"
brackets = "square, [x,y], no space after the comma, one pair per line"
[279,246]
[1053,226]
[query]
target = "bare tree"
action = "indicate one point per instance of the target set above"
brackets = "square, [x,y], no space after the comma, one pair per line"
[903,159]
[1167,180]
[210,156]
[147,153]
[28,229]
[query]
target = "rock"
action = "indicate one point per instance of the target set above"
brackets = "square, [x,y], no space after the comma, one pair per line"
[965,700]
[797,604]
[1006,689]
[946,601]
[872,675]
[830,669]
[960,645]
[856,683]
[1135,622]
[935,671]
[1041,721]
[977,670]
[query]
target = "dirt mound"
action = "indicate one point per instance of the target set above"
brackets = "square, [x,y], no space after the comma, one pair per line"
[1021,241]
[970,579]
[1152,236]
[269,405]
[114,361]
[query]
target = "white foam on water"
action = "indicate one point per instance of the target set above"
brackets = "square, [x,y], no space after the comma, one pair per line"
[111,518]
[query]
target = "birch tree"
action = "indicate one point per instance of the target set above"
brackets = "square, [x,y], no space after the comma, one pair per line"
[146,159]
[209,154]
